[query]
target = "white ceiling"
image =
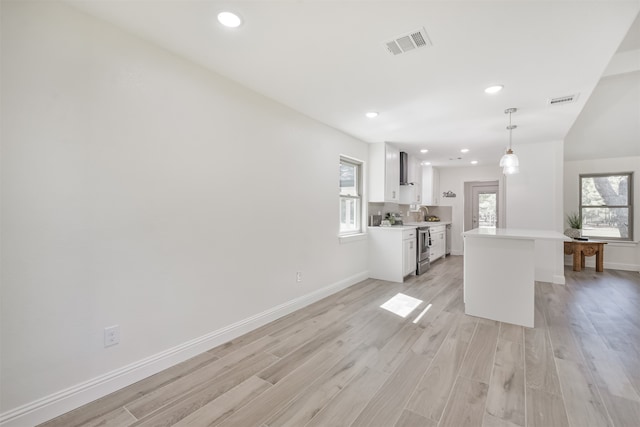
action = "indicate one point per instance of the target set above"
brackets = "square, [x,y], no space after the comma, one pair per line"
[326,59]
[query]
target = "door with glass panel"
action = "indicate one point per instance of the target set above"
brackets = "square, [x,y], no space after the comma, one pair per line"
[482,209]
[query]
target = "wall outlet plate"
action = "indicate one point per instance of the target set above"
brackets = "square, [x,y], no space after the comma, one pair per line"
[111,335]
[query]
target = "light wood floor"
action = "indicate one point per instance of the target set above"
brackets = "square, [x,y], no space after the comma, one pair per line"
[346,361]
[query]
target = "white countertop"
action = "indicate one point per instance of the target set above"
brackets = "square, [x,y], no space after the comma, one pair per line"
[428,223]
[413,225]
[515,233]
[394,227]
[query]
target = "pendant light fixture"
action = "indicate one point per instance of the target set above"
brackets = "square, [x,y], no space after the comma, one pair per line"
[509,162]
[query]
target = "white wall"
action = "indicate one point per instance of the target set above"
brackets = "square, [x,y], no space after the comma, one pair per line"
[142,190]
[534,201]
[453,179]
[617,255]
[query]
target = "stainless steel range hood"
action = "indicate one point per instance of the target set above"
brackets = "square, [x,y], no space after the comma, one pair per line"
[404,168]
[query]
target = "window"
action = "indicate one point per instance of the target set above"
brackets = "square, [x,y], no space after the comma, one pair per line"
[606,206]
[350,196]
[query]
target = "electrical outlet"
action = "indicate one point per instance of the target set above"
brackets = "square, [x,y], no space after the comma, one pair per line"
[111,335]
[299,276]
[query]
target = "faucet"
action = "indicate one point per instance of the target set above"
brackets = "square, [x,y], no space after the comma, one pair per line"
[425,212]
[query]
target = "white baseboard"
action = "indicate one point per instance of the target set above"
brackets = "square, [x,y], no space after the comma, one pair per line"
[558,279]
[621,266]
[63,401]
[609,265]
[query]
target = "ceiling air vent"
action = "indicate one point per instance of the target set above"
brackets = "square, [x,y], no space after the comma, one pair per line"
[409,41]
[563,99]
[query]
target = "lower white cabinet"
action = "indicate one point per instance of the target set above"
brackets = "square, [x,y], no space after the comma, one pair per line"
[392,253]
[409,254]
[438,242]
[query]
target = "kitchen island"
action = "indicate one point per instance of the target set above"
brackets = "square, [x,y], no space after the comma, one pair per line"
[499,272]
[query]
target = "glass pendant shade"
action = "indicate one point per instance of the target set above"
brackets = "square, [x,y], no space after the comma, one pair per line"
[510,170]
[509,159]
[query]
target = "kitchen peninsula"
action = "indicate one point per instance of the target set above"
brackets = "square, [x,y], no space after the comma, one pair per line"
[499,272]
[393,250]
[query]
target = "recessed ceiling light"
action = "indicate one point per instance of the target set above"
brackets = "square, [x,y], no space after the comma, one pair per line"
[229,19]
[494,89]
[474,162]
[372,114]
[426,163]
[424,150]
[464,150]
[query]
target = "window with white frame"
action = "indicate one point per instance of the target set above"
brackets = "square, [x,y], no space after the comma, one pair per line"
[350,196]
[606,205]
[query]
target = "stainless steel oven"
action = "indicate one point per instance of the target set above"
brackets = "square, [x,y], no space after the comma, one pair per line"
[424,244]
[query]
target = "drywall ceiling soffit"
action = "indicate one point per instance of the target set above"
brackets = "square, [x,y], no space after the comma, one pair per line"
[328,60]
[627,57]
[609,124]
[632,39]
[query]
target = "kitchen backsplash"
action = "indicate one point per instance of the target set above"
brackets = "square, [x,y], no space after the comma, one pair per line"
[443,212]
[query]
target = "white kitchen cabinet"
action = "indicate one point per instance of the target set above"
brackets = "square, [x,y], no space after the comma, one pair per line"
[415,171]
[411,194]
[430,186]
[438,242]
[384,173]
[418,193]
[409,252]
[392,253]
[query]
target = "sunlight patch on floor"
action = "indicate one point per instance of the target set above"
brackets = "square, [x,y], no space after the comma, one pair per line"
[417,319]
[401,304]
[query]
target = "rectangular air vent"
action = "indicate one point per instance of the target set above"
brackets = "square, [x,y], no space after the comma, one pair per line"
[563,99]
[409,41]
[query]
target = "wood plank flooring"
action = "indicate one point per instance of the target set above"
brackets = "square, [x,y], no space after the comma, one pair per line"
[344,361]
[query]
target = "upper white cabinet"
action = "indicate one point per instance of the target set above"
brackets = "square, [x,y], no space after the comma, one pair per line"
[384,173]
[415,170]
[430,186]
[411,194]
